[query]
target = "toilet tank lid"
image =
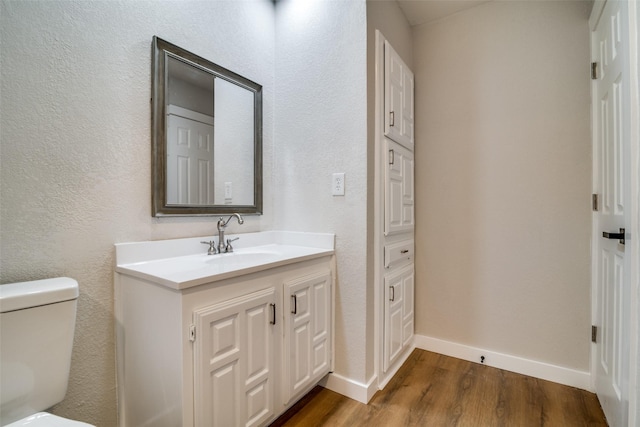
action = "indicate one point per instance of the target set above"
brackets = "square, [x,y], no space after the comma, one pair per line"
[17,296]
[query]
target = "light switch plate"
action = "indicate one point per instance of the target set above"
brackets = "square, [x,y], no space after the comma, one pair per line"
[228,190]
[337,184]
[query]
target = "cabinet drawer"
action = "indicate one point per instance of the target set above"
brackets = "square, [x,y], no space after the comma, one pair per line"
[396,254]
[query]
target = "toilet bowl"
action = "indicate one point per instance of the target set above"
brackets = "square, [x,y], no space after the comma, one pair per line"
[37,323]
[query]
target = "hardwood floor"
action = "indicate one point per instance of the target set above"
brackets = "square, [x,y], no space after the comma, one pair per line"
[435,390]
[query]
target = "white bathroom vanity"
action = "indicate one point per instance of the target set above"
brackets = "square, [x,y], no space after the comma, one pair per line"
[222,340]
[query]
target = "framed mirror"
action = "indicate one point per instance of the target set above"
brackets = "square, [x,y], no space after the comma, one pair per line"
[206,136]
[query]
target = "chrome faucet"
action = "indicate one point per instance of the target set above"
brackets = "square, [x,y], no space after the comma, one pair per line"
[222,225]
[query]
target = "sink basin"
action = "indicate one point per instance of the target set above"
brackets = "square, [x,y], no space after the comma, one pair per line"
[248,257]
[183,263]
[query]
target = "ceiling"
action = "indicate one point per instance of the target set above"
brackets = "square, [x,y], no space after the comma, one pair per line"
[421,11]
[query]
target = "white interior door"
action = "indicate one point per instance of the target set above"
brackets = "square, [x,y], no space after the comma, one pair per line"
[611,119]
[189,161]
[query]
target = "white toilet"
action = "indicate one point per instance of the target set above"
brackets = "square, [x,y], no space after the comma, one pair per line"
[37,322]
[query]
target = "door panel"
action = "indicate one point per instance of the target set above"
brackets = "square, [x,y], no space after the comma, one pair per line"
[189,161]
[611,97]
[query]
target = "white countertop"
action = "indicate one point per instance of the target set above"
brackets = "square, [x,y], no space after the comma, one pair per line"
[183,263]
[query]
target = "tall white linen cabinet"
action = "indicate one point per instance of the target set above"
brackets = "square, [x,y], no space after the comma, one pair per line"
[395,212]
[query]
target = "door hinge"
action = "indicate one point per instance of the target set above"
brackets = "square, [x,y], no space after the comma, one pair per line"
[594,71]
[594,333]
[192,333]
[594,202]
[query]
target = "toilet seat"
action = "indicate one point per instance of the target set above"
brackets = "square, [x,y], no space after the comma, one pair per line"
[44,419]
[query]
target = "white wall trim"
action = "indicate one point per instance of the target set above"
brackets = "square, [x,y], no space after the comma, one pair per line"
[532,368]
[596,12]
[378,203]
[350,388]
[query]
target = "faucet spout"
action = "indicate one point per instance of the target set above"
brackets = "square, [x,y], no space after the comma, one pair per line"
[222,225]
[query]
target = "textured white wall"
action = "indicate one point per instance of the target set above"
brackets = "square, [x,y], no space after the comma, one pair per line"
[503,180]
[320,128]
[75,148]
[388,18]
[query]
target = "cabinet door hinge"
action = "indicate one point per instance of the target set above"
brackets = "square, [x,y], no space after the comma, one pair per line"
[594,71]
[594,333]
[594,202]
[192,333]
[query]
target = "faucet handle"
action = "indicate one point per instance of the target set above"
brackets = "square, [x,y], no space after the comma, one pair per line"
[212,247]
[229,248]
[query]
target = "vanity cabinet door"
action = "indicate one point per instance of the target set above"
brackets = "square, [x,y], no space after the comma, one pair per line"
[307,332]
[234,361]
[399,191]
[398,98]
[398,313]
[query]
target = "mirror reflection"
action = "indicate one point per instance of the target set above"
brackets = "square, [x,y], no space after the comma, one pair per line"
[207,136]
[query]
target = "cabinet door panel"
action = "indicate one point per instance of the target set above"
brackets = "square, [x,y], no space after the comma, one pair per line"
[258,403]
[225,339]
[407,190]
[395,200]
[301,363]
[407,307]
[233,361]
[393,319]
[399,190]
[223,383]
[321,294]
[321,328]
[398,314]
[258,345]
[407,106]
[321,358]
[307,336]
[398,98]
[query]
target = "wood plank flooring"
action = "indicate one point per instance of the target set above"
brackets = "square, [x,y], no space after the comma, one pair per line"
[435,390]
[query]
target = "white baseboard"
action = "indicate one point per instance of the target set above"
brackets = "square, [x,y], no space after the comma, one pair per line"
[532,368]
[384,378]
[350,388]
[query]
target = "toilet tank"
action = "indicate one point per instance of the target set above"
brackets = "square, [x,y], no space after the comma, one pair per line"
[37,322]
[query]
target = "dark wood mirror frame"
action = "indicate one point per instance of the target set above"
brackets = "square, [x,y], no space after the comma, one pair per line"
[159,203]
